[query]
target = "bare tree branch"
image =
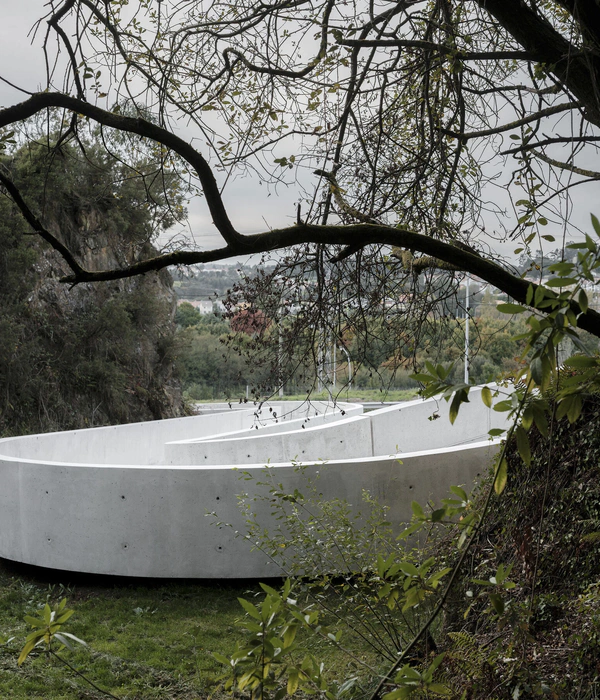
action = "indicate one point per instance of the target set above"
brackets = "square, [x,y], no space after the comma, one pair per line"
[530,119]
[139,126]
[39,229]
[591,174]
[439,49]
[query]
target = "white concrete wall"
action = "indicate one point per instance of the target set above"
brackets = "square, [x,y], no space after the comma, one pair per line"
[394,429]
[285,423]
[350,437]
[135,443]
[143,443]
[418,425]
[96,501]
[151,521]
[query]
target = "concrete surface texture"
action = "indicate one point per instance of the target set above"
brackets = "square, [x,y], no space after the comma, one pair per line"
[135,500]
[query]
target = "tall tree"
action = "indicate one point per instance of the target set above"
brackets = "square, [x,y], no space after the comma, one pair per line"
[397,110]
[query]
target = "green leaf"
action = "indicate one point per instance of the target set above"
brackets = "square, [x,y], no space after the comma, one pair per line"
[596,225]
[289,635]
[461,493]
[540,293]
[249,608]
[581,361]
[34,621]
[439,689]
[293,682]
[417,510]
[486,396]
[536,369]
[497,602]
[510,308]
[27,649]
[570,406]
[562,268]
[61,619]
[407,532]
[561,282]
[435,663]
[454,407]
[423,378]
[583,301]
[438,515]
[501,476]
[47,614]
[221,659]
[523,445]
[547,366]
[407,672]
[409,569]
[269,590]
[529,295]
[495,432]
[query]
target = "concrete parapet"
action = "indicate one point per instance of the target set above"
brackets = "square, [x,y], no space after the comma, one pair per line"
[106,501]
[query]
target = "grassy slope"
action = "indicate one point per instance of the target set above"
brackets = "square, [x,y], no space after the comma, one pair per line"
[147,639]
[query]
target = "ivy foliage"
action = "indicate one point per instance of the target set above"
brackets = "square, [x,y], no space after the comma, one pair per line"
[516,574]
[545,528]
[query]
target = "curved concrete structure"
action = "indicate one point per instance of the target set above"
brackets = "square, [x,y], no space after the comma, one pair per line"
[132,500]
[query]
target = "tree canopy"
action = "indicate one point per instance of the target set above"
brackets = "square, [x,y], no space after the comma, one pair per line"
[391,117]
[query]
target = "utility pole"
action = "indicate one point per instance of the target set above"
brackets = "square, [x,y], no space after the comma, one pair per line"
[334,365]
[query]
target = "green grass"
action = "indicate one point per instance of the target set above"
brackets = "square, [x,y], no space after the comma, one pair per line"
[147,640]
[358,395]
[353,395]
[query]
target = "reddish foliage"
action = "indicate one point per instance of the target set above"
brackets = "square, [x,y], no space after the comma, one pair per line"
[250,321]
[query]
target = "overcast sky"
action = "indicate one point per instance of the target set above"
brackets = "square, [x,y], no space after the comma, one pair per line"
[252,207]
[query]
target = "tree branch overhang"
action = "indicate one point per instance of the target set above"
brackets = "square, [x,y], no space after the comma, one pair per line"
[356,235]
[577,70]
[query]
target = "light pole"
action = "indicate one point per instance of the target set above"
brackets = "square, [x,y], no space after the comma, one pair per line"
[343,349]
[334,365]
[280,357]
[468,279]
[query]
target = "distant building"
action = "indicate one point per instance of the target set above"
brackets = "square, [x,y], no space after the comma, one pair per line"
[204,306]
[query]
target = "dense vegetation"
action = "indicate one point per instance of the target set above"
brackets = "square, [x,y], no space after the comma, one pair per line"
[88,355]
[218,363]
[546,527]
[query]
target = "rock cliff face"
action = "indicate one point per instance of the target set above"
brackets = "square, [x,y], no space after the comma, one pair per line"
[125,330]
[88,355]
